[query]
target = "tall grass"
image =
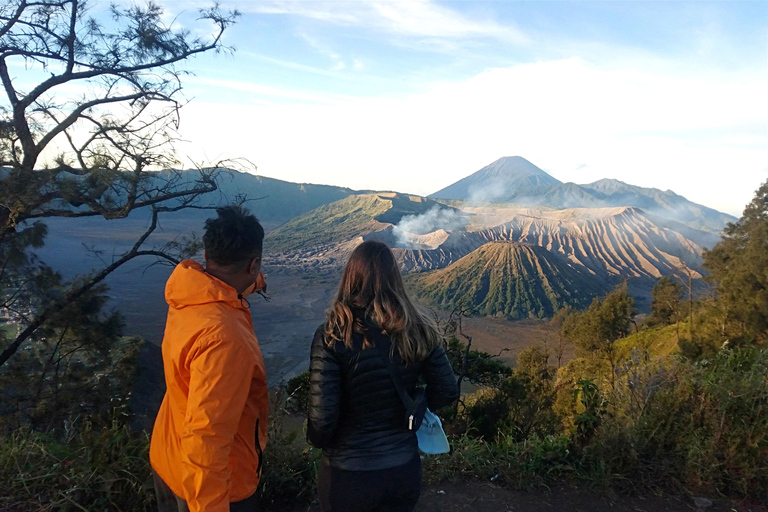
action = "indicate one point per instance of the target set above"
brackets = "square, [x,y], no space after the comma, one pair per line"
[90,466]
[80,468]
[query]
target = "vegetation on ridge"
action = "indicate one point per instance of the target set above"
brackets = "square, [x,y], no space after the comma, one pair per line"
[345,219]
[512,280]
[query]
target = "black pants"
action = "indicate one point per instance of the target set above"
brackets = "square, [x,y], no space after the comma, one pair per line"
[386,490]
[167,501]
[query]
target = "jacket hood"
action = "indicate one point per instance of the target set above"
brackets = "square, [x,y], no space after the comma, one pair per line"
[191,285]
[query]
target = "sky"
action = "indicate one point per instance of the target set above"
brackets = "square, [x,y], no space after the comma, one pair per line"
[414,95]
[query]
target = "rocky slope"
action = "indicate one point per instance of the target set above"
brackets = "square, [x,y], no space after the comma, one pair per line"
[510,279]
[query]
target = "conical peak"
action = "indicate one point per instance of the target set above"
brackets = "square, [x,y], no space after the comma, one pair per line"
[509,166]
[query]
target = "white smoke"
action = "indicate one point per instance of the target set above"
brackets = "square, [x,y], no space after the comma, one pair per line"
[410,228]
[487,193]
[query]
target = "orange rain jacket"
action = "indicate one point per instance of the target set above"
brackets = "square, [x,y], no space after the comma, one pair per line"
[212,424]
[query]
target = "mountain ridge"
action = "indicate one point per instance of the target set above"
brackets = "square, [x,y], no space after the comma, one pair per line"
[507,181]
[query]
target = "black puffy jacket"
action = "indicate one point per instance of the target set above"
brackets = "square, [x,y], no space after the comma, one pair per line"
[355,413]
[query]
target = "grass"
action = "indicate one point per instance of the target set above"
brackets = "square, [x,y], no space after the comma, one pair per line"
[659,342]
[80,468]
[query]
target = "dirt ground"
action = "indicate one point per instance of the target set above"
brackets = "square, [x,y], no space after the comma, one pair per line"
[475,496]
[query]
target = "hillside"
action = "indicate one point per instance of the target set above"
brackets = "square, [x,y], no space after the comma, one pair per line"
[273,201]
[333,225]
[509,279]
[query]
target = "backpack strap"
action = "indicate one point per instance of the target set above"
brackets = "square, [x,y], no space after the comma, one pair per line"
[383,345]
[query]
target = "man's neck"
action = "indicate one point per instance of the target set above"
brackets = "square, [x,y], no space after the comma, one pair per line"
[226,278]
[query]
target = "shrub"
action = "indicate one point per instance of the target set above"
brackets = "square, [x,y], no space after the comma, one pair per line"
[297,394]
[518,407]
[703,425]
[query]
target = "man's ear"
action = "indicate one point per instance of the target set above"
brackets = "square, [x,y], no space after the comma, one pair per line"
[205,256]
[253,267]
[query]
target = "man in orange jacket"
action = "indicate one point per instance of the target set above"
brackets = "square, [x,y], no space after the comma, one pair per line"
[207,442]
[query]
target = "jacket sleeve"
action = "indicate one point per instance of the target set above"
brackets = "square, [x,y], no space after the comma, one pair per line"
[220,376]
[442,389]
[324,392]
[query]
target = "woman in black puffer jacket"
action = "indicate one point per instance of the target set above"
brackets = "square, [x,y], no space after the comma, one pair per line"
[370,458]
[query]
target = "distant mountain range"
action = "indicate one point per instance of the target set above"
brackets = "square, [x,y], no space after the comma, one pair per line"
[597,247]
[562,242]
[273,201]
[514,179]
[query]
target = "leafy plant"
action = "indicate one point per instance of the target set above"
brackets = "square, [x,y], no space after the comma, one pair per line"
[587,421]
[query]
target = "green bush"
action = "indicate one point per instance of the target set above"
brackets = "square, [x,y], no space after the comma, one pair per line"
[297,394]
[703,425]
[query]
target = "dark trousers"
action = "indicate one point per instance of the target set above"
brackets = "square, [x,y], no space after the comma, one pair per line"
[167,501]
[386,490]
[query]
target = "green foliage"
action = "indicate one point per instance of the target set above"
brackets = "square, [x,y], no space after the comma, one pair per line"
[665,304]
[289,474]
[74,363]
[98,463]
[290,465]
[587,421]
[526,463]
[518,407]
[566,405]
[739,268]
[81,468]
[730,447]
[702,424]
[595,331]
[489,412]
[297,394]
[479,368]
[658,342]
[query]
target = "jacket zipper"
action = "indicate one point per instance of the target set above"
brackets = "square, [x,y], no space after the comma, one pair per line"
[258,448]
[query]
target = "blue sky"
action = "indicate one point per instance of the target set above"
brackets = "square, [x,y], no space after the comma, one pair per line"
[414,95]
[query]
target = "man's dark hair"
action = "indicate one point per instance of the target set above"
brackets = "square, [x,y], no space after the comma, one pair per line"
[234,237]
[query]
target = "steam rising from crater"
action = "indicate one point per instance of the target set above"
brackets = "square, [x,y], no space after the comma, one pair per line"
[411,228]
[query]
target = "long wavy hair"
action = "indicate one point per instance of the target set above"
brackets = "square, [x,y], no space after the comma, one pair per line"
[372,282]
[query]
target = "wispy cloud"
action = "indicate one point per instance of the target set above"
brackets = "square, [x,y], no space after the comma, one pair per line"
[264,92]
[412,18]
[325,50]
[422,18]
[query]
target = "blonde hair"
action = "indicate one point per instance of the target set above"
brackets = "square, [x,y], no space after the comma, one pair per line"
[372,281]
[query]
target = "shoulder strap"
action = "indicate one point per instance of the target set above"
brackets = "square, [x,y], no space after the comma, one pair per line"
[383,344]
